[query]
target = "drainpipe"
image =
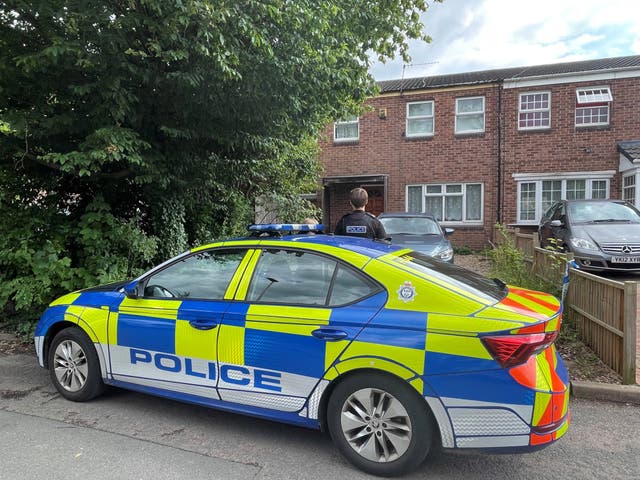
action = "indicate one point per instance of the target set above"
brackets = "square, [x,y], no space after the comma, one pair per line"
[499,212]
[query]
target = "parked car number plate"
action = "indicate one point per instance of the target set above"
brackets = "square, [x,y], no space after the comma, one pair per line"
[625,259]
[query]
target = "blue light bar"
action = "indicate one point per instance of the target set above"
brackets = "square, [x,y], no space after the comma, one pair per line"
[285,227]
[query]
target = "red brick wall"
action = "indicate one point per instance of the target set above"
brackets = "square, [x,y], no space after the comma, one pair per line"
[446,157]
[563,147]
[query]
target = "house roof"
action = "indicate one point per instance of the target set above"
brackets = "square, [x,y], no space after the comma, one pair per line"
[630,149]
[497,75]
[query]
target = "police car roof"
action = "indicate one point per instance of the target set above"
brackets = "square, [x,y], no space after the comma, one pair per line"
[363,246]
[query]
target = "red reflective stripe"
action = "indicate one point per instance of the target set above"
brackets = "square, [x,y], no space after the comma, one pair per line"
[529,296]
[509,302]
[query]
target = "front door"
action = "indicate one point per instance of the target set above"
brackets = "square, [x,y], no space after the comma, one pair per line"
[376,200]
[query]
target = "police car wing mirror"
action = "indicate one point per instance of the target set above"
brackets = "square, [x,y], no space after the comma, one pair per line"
[132,289]
[449,231]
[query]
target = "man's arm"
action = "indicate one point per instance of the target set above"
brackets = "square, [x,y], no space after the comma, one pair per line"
[379,230]
[339,230]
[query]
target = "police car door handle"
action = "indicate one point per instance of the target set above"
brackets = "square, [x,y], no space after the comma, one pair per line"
[203,323]
[330,334]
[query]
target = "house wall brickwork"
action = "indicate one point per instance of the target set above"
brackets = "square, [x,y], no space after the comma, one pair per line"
[384,149]
[565,147]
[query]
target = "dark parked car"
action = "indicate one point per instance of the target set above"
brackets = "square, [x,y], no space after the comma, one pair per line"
[602,234]
[419,232]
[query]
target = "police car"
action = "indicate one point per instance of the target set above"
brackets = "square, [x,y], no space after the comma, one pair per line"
[388,349]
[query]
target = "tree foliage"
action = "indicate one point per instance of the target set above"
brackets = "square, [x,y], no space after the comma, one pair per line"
[131,129]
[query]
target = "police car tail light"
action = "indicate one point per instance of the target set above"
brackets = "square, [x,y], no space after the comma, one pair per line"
[512,350]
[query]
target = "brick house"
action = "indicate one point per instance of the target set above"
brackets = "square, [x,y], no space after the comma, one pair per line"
[492,146]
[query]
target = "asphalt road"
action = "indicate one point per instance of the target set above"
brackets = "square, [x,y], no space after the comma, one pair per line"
[133,436]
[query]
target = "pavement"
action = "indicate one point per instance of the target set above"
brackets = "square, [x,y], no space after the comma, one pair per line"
[606,392]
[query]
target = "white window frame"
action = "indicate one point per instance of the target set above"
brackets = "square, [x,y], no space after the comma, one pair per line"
[443,194]
[339,123]
[600,94]
[463,114]
[636,178]
[589,178]
[534,110]
[420,117]
[593,97]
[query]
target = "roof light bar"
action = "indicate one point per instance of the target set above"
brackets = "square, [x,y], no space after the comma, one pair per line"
[286,227]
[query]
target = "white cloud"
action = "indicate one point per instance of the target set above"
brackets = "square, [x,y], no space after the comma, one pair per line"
[483,34]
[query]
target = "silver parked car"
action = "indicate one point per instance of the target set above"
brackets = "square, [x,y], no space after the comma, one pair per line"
[419,232]
[602,234]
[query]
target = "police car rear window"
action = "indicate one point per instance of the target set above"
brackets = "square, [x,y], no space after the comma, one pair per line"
[490,289]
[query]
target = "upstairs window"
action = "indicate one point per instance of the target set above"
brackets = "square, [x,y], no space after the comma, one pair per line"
[470,115]
[592,106]
[347,129]
[534,111]
[420,119]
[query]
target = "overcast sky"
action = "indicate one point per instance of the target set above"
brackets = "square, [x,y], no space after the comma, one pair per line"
[471,35]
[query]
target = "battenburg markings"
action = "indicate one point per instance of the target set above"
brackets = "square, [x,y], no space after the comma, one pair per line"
[229,374]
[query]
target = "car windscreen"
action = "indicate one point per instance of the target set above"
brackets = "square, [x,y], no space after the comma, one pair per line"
[410,226]
[489,289]
[602,212]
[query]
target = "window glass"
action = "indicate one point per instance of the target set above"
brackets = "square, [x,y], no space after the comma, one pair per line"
[457,277]
[414,198]
[452,202]
[592,115]
[528,201]
[629,189]
[205,275]
[433,206]
[349,286]
[419,118]
[598,189]
[474,201]
[420,109]
[534,111]
[531,204]
[551,193]
[346,129]
[576,189]
[469,115]
[453,208]
[290,276]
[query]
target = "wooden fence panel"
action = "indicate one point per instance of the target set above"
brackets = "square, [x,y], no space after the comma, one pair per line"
[605,312]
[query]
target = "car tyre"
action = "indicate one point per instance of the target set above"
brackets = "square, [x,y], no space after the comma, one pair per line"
[380,424]
[74,367]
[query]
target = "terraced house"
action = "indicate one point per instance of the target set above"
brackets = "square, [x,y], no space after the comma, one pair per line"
[490,146]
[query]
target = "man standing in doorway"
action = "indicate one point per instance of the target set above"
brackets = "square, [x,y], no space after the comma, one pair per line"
[359,223]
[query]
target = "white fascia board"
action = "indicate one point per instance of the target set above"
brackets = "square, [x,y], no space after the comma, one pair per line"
[523,177]
[570,78]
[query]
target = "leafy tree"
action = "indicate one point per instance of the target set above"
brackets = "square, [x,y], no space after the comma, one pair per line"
[132,129]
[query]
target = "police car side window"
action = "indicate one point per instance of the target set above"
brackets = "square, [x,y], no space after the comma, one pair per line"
[205,275]
[292,277]
[349,286]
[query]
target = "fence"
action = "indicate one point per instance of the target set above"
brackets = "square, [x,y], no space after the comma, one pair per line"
[604,312]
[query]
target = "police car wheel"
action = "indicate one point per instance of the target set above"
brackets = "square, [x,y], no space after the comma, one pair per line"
[74,367]
[380,424]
